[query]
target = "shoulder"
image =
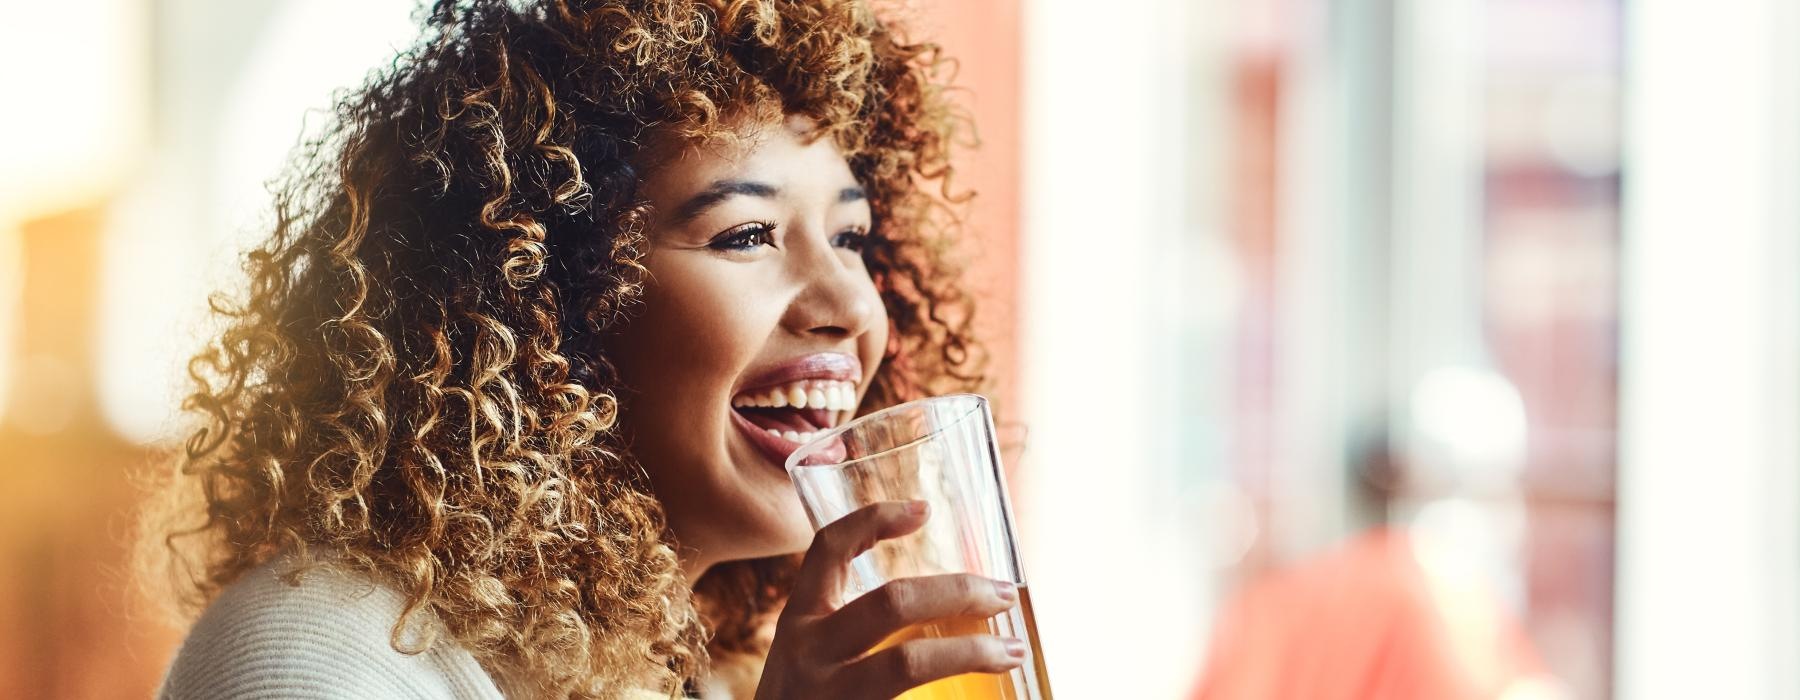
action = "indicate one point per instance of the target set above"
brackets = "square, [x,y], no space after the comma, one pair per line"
[324,634]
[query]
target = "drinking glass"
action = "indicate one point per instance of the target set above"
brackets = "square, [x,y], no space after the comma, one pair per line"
[940,450]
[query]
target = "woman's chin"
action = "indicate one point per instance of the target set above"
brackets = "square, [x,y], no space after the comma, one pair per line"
[794,532]
[779,528]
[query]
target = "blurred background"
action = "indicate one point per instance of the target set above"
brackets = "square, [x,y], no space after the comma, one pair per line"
[1364,348]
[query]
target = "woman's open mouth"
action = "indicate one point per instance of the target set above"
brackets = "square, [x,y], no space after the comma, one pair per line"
[782,416]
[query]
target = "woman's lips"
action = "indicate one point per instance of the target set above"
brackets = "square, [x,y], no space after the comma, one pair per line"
[777,448]
[835,366]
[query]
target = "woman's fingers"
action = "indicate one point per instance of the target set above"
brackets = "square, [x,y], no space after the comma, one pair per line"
[821,576]
[896,669]
[819,648]
[864,622]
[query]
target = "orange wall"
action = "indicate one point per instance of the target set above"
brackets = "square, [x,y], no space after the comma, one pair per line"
[984,38]
[68,628]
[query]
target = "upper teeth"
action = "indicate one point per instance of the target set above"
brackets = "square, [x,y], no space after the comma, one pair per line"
[812,393]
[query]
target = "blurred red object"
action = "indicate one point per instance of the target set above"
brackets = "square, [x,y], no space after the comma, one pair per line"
[1366,621]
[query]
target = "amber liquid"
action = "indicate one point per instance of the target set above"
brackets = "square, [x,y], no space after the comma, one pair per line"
[1028,682]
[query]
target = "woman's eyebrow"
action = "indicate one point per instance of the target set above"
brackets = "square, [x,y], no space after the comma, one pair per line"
[719,191]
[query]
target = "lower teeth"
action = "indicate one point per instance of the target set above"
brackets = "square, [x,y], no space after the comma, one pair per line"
[791,436]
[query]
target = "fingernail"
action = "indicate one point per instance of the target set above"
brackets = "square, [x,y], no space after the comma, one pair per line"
[1006,590]
[917,507]
[1014,647]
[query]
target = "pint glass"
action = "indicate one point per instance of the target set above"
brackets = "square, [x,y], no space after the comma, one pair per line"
[940,450]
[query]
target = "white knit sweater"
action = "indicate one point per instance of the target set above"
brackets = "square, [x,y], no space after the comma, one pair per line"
[325,638]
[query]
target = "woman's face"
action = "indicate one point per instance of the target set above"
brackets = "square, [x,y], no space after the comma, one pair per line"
[756,301]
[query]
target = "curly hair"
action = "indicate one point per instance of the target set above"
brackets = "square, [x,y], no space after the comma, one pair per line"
[414,381]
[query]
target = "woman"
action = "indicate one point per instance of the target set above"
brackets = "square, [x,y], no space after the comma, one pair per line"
[504,407]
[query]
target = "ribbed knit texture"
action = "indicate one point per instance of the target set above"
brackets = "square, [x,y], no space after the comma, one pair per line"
[325,638]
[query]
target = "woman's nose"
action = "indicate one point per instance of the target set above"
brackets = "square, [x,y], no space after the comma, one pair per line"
[837,298]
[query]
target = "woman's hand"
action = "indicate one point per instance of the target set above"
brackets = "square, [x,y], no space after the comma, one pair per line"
[821,650]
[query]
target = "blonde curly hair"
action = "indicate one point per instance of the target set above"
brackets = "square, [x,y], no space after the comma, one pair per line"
[414,380]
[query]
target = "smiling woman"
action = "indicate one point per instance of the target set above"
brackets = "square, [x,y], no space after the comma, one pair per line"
[757,284]
[504,403]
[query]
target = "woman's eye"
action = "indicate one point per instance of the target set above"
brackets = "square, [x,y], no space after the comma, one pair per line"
[852,240]
[746,237]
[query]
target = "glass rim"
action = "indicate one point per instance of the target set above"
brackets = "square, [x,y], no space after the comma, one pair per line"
[793,464]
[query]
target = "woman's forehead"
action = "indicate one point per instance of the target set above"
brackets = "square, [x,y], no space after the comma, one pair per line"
[790,153]
[733,139]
